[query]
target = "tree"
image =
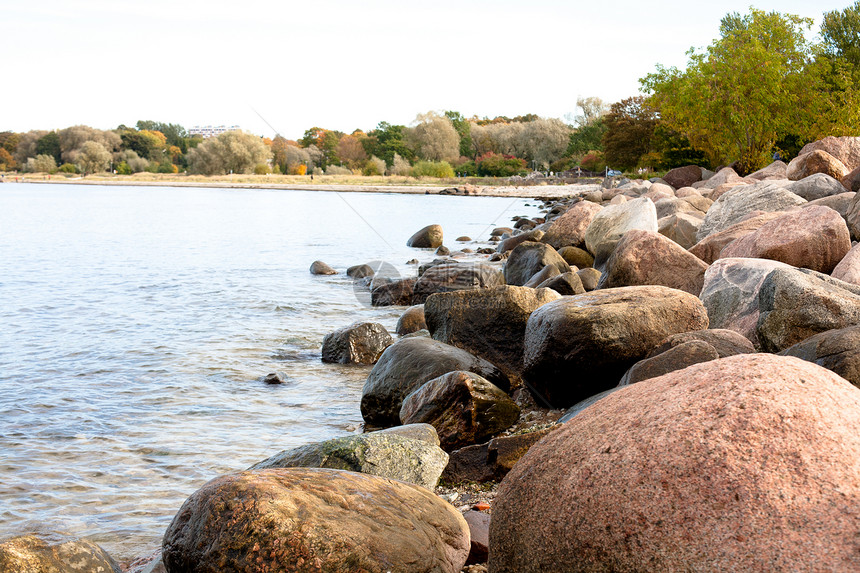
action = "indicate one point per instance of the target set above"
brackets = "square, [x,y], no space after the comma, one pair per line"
[93,157]
[544,141]
[173,132]
[147,144]
[49,144]
[464,130]
[351,151]
[630,126]
[747,88]
[26,146]
[434,138]
[390,140]
[840,34]
[229,152]
[325,141]
[9,140]
[41,164]
[7,162]
[72,140]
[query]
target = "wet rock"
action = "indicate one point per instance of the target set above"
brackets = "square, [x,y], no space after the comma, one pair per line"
[578,346]
[491,461]
[360,271]
[698,470]
[610,224]
[648,258]
[443,251]
[456,277]
[151,563]
[382,454]
[680,228]
[795,304]
[675,358]
[463,407]
[54,553]
[488,323]
[709,248]
[815,238]
[740,201]
[683,176]
[358,343]
[499,231]
[528,258]
[564,284]
[303,519]
[412,320]
[320,268]
[569,228]
[406,365]
[479,534]
[396,293]
[430,237]
[511,243]
[580,406]
[730,294]
[816,186]
[817,161]
[837,350]
[276,378]
[576,257]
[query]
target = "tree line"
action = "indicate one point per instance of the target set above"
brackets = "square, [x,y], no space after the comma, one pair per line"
[760,90]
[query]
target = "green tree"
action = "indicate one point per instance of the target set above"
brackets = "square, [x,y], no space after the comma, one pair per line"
[840,34]
[434,138]
[49,144]
[746,89]
[463,127]
[175,133]
[389,141]
[630,126]
[93,157]
[325,140]
[230,152]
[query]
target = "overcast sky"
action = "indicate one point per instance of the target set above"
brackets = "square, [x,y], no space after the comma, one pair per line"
[284,66]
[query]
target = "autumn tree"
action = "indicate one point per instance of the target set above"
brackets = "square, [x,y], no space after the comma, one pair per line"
[588,126]
[72,140]
[735,99]
[351,151]
[434,138]
[93,157]
[9,140]
[325,141]
[544,141]
[7,162]
[229,152]
[41,164]
[630,126]
[26,147]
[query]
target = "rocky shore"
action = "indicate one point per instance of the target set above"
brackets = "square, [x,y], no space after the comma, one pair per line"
[652,376]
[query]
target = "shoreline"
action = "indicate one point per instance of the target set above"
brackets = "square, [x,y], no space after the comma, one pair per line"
[465,190]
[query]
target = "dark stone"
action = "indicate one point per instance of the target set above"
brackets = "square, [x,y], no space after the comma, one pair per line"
[837,350]
[683,176]
[456,277]
[397,293]
[430,237]
[675,358]
[528,258]
[358,343]
[412,320]
[360,271]
[564,284]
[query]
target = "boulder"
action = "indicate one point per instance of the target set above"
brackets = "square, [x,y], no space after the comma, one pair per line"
[576,257]
[479,534]
[709,248]
[730,294]
[569,229]
[837,350]
[852,181]
[724,176]
[430,237]
[774,171]
[528,258]
[395,293]
[683,176]
[814,238]
[384,454]
[511,243]
[489,323]
[794,304]
[578,346]
[740,201]
[406,365]
[443,251]
[845,149]
[358,343]
[564,284]
[542,275]
[839,203]
[464,408]
[725,342]
[491,461]
[673,205]
[320,268]
[412,320]
[848,269]
[312,519]
[816,186]
[687,192]
[853,217]
[817,161]
[747,463]
[590,278]
[456,277]
[360,271]
[680,228]
[675,358]
[610,224]
[701,204]
[499,231]
[647,258]
[54,553]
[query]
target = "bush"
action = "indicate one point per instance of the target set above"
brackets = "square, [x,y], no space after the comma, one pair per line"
[41,164]
[467,169]
[593,161]
[374,166]
[400,166]
[337,170]
[167,167]
[440,169]
[123,169]
[495,165]
[262,169]
[68,168]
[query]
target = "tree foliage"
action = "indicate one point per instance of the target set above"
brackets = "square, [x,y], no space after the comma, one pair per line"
[840,34]
[630,126]
[544,141]
[229,152]
[49,144]
[93,157]
[434,138]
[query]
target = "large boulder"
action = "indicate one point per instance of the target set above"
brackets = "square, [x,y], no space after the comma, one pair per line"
[490,323]
[680,228]
[529,258]
[673,205]
[610,224]
[742,200]
[647,258]
[358,343]
[683,176]
[578,346]
[816,186]
[576,257]
[814,238]
[455,277]
[839,203]
[54,553]
[848,269]
[384,454]
[774,171]
[509,244]
[845,149]
[837,350]
[817,161]
[748,463]
[569,228]
[725,342]
[731,292]
[675,358]
[725,176]
[409,363]
[430,237]
[794,304]
[412,320]
[464,408]
[310,519]
[709,248]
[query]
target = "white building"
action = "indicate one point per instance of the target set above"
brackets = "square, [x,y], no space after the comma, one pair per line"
[212,130]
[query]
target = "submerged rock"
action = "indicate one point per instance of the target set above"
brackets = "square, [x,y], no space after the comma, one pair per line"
[430,237]
[320,268]
[54,553]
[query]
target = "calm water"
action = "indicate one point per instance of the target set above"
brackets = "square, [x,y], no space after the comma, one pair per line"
[135,323]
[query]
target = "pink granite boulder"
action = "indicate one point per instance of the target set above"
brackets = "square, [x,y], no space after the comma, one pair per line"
[569,228]
[709,248]
[848,269]
[817,161]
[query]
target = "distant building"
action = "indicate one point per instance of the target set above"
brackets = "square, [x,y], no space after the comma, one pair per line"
[212,130]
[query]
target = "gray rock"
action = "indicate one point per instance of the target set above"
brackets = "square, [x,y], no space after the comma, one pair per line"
[737,203]
[675,358]
[837,350]
[528,258]
[681,228]
[816,186]
[610,224]
[358,343]
[382,454]
[54,553]
[456,277]
[564,284]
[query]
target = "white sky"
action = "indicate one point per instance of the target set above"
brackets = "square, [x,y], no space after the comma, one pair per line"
[336,64]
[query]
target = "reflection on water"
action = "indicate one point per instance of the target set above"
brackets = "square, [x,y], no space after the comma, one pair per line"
[135,324]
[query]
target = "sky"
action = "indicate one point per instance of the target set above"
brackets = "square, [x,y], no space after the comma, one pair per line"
[281,66]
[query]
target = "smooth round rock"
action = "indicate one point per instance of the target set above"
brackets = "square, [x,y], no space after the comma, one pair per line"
[321,268]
